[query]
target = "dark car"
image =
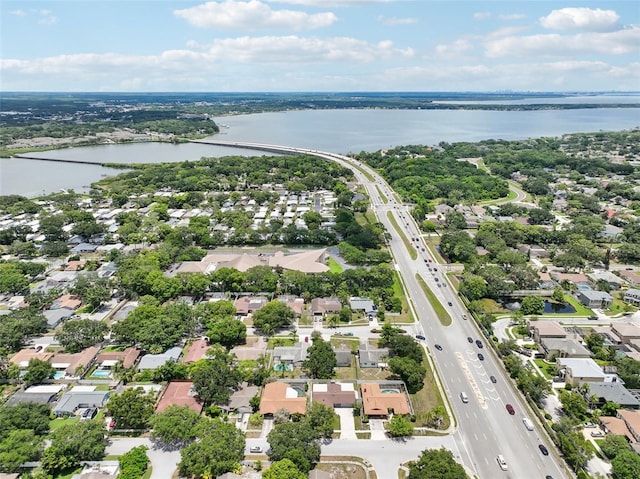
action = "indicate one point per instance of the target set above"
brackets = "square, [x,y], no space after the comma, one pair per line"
[480,356]
[438,347]
[89,414]
[543,449]
[470,339]
[510,409]
[479,343]
[449,303]
[420,336]
[493,379]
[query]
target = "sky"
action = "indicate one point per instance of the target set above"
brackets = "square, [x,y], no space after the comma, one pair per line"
[319,45]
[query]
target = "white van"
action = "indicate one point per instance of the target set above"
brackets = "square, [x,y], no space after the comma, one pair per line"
[527,423]
[464,397]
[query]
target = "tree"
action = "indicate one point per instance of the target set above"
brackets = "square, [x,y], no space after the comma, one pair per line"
[38,371]
[612,445]
[175,426]
[78,334]
[558,295]
[436,464]
[283,469]
[18,447]
[532,305]
[30,416]
[12,280]
[132,409]
[134,463]
[400,426]
[227,331]
[473,287]
[626,465]
[272,316]
[72,443]
[296,441]
[573,404]
[215,377]
[405,347]
[409,371]
[320,419]
[219,450]
[321,360]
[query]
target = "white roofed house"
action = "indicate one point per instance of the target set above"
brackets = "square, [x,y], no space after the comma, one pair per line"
[154,361]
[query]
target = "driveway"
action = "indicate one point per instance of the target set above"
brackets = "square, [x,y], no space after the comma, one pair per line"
[377,430]
[163,463]
[347,426]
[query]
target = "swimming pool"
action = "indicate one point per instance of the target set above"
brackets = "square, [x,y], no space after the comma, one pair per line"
[101,373]
[59,375]
[390,391]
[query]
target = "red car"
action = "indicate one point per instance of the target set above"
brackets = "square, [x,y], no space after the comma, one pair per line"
[510,409]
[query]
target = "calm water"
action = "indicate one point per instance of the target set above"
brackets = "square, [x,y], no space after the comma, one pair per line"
[557,308]
[339,131]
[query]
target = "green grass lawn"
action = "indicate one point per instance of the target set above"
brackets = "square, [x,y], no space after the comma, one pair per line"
[619,307]
[405,316]
[280,341]
[428,398]
[57,423]
[580,309]
[545,368]
[334,266]
[443,316]
[382,196]
[412,251]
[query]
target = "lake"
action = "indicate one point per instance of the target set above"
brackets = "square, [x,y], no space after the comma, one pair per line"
[338,131]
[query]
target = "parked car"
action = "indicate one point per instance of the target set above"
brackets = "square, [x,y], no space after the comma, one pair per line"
[89,414]
[589,424]
[597,433]
[255,449]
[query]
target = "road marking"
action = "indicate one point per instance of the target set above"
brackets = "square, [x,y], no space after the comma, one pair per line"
[471,380]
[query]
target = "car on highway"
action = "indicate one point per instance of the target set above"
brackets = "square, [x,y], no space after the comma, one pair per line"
[480,356]
[464,316]
[438,347]
[429,260]
[435,269]
[479,343]
[420,336]
[255,449]
[502,463]
[450,303]
[470,339]
[510,409]
[493,379]
[543,449]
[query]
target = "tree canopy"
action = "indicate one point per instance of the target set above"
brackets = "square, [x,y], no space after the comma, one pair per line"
[321,360]
[436,464]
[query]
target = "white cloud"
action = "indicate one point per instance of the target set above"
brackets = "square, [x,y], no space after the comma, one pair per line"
[512,16]
[332,3]
[394,21]
[595,20]
[252,15]
[18,13]
[481,15]
[455,49]
[612,43]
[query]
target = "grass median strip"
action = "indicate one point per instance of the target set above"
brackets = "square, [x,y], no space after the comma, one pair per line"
[412,252]
[382,196]
[443,316]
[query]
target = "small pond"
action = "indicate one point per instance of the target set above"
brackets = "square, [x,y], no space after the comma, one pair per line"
[558,308]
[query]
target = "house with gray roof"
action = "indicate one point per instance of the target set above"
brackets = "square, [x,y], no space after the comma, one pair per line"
[563,347]
[295,354]
[612,392]
[632,296]
[56,316]
[579,370]
[362,304]
[372,357]
[343,357]
[594,299]
[154,361]
[72,400]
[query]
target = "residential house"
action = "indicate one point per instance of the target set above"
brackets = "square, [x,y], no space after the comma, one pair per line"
[632,420]
[343,357]
[617,427]
[626,331]
[545,281]
[78,398]
[611,392]
[197,350]
[295,304]
[383,400]
[612,280]
[290,355]
[84,248]
[632,277]
[127,358]
[324,306]
[544,329]
[363,304]
[575,279]
[22,357]
[180,393]
[611,232]
[563,348]
[74,364]
[154,361]
[240,400]
[56,316]
[594,299]
[372,357]
[40,394]
[334,394]
[280,395]
[249,304]
[632,296]
[579,370]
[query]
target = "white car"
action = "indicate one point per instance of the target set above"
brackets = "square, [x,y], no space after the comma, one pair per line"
[255,449]
[597,433]
[502,463]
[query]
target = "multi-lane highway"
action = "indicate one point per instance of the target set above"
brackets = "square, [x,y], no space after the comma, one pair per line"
[485,428]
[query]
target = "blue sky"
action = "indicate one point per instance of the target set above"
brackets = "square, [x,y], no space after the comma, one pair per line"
[319,45]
